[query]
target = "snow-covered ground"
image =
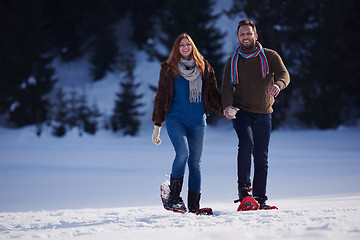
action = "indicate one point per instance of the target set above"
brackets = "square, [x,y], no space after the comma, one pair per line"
[315,218]
[107,187]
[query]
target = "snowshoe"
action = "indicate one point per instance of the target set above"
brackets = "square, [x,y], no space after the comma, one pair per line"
[168,203]
[264,206]
[247,204]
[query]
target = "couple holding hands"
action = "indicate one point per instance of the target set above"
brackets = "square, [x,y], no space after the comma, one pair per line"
[253,76]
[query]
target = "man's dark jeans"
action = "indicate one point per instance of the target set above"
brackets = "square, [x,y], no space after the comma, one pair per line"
[253,131]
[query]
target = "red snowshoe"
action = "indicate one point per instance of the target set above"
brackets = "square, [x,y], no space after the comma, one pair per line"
[248,204]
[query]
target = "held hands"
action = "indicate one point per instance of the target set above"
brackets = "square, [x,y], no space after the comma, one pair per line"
[156,135]
[274,90]
[230,112]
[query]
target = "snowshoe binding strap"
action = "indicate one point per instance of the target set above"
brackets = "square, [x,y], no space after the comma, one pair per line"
[267,207]
[204,211]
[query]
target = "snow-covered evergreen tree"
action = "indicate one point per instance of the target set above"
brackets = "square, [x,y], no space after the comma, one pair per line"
[72,111]
[87,117]
[126,112]
[30,100]
[58,115]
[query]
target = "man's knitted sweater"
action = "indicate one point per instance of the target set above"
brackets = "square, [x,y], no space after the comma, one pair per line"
[251,94]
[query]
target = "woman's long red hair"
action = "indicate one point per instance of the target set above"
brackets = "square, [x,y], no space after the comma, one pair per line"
[175,55]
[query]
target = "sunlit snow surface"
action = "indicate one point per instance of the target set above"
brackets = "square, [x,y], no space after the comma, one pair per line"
[107,187]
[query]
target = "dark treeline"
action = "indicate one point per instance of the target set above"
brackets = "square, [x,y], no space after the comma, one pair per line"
[317,40]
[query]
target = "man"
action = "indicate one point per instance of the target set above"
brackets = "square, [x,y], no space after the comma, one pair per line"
[248,93]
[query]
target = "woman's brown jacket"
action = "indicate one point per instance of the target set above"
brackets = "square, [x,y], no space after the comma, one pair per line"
[165,93]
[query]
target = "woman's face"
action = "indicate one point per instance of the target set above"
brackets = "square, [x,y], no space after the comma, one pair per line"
[185,48]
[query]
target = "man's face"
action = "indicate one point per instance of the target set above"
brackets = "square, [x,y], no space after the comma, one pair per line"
[247,37]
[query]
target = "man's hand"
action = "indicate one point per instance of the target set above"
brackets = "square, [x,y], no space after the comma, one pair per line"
[230,112]
[274,90]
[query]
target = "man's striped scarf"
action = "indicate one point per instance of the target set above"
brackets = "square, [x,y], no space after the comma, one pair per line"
[234,61]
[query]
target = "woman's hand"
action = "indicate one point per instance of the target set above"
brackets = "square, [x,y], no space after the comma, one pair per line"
[230,112]
[156,135]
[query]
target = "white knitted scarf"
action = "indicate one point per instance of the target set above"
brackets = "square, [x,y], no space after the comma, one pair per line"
[191,73]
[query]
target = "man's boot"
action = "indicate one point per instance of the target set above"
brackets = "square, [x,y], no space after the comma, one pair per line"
[244,191]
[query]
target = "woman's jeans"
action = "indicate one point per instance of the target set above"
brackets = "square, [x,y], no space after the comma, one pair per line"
[188,142]
[253,131]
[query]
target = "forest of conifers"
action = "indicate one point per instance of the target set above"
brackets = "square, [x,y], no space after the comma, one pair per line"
[316,39]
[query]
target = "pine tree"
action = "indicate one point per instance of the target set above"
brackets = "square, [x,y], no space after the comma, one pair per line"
[72,111]
[104,53]
[144,19]
[87,118]
[105,50]
[330,84]
[26,77]
[31,102]
[196,19]
[321,62]
[72,119]
[125,114]
[58,114]
[72,25]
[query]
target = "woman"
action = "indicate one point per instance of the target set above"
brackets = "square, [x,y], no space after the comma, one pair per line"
[187,88]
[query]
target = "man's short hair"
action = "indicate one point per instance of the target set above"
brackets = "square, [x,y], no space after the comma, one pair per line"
[246,22]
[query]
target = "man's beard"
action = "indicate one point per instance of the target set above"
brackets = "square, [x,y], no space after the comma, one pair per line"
[248,47]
